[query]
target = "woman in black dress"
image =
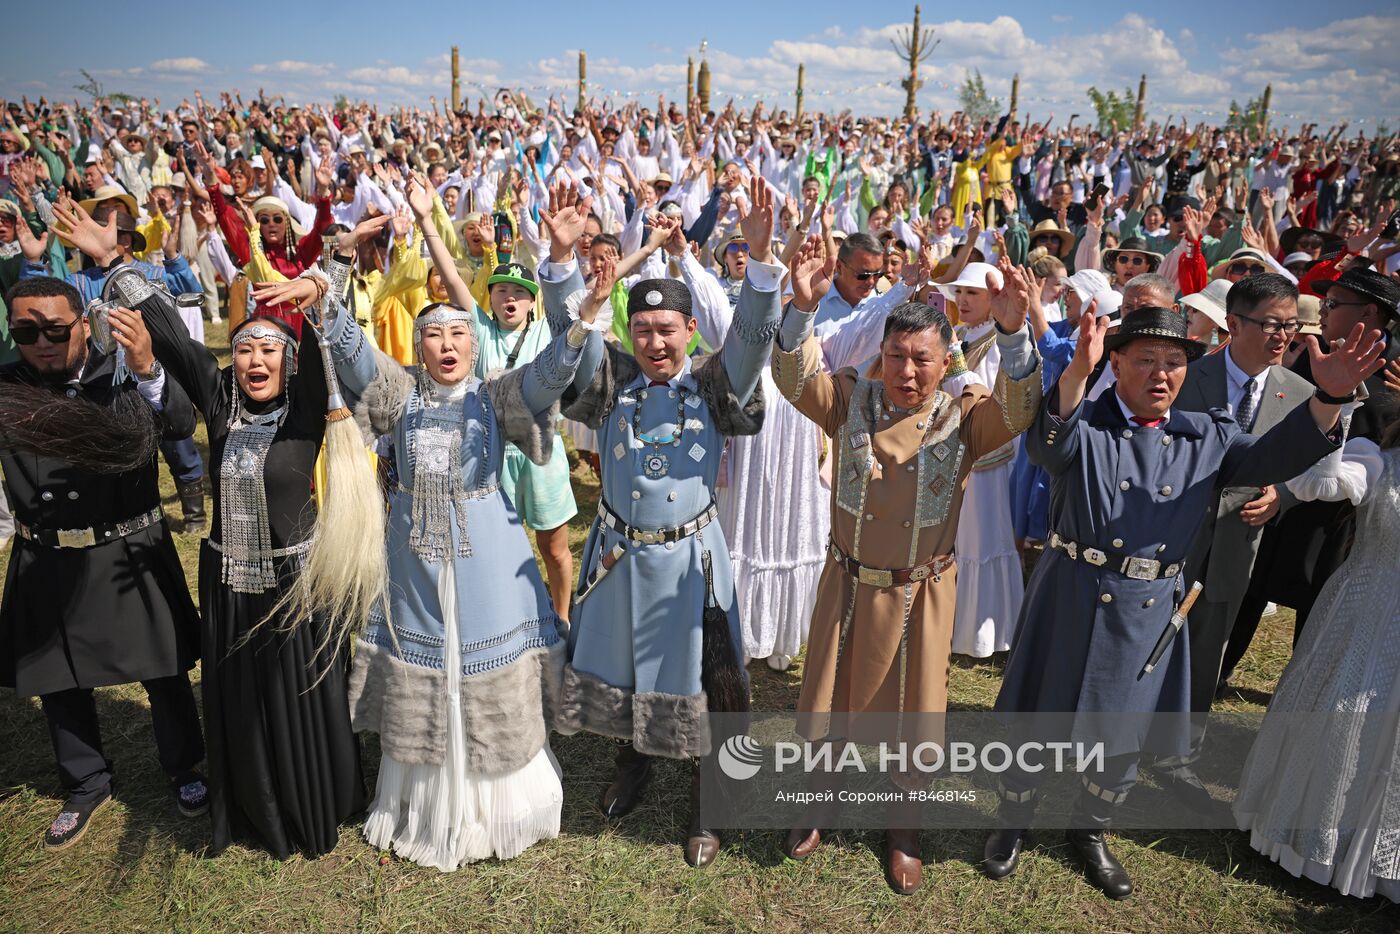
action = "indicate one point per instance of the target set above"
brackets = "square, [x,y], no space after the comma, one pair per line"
[284,765]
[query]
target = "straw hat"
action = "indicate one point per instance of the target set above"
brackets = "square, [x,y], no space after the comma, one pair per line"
[107,193]
[1048,226]
[1210,302]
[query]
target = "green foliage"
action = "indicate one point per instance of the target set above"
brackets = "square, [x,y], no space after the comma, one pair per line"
[1113,107]
[1248,117]
[976,102]
[90,85]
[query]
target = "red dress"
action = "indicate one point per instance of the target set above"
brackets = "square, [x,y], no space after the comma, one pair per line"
[308,250]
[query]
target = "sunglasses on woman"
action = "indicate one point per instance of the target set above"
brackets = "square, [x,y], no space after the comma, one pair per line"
[271,219]
[54,333]
[1244,269]
[737,248]
[1131,260]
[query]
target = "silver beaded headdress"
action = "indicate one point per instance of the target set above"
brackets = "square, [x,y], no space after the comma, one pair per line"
[248,558]
[435,450]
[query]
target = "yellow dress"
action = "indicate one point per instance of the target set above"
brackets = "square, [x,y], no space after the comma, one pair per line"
[967,186]
[401,294]
[475,271]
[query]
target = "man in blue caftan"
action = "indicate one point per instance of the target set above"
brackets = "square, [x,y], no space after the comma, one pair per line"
[1132,479]
[655,557]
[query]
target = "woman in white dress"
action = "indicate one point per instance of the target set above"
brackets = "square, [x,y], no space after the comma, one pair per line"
[990,580]
[1320,793]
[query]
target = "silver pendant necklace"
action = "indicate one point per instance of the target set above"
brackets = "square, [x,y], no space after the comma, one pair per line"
[655,464]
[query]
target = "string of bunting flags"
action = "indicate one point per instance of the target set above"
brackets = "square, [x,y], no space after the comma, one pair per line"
[718,93]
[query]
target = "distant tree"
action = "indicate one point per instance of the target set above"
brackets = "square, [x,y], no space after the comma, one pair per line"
[90,85]
[1114,108]
[976,102]
[1248,117]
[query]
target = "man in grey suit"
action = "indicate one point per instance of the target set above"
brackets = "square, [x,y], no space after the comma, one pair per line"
[1247,380]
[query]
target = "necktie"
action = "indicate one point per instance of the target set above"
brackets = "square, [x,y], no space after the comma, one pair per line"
[1148,422]
[656,382]
[1245,413]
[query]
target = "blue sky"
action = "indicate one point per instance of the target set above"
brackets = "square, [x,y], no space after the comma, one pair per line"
[1327,61]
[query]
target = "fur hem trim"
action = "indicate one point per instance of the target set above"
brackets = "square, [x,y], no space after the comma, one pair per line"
[675,726]
[589,704]
[403,703]
[505,711]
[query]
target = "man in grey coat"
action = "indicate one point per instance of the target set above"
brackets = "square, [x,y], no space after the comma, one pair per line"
[1246,379]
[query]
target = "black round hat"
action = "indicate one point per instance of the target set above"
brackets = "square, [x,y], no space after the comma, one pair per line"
[659,295]
[1157,324]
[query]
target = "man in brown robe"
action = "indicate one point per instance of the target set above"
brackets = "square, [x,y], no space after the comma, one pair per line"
[882,628]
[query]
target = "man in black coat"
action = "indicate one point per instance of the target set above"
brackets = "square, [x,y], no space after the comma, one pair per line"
[94,593]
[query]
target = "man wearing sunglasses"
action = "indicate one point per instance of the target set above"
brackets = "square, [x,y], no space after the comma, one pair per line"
[116,241]
[860,262]
[1246,379]
[95,595]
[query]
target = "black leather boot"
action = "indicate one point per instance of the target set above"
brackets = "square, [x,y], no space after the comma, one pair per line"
[633,771]
[192,506]
[1002,851]
[1092,816]
[701,844]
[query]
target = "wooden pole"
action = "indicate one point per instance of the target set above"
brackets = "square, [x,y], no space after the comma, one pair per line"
[1264,108]
[1015,93]
[801,76]
[913,86]
[582,80]
[689,84]
[702,89]
[456,81]
[1141,102]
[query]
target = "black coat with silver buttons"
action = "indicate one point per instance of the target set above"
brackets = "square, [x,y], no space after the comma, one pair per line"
[115,612]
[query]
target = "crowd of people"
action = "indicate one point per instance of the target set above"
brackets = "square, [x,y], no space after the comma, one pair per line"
[840,380]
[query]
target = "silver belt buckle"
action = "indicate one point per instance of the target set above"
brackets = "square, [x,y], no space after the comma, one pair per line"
[76,538]
[1142,569]
[920,573]
[1095,557]
[650,538]
[875,577]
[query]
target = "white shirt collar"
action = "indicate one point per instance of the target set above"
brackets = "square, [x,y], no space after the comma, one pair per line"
[1237,376]
[1128,413]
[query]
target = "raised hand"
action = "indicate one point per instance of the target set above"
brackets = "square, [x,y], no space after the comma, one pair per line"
[1339,373]
[402,222]
[565,220]
[600,290]
[756,220]
[1088,345]
[1392,375]
[31,246]
[73,224]
[345,243]
[303,292]
[811,276]
[420,198]
[1009,301]
[662,227]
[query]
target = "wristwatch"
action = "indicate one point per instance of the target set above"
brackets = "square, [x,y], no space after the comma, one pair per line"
[156,370]
[1335,400]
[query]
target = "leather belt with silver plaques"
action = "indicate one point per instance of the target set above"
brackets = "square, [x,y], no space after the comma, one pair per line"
[655,536]
[87,538]
[1140,569]
[889,577]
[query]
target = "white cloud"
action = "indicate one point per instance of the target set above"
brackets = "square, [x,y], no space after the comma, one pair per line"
[185,66]
[290,67]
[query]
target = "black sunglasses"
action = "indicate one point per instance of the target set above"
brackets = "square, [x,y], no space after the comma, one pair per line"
[867,276]
[55,333]
[1244,269]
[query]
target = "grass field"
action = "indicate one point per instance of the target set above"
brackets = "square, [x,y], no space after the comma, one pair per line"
[141,868]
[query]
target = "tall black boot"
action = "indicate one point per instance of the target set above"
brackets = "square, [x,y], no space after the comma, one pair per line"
[1093,813]
[701,844]
[633,771]
[1002,851]
[192,506]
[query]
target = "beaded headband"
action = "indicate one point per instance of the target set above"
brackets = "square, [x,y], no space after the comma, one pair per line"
[263,332]
[441,315]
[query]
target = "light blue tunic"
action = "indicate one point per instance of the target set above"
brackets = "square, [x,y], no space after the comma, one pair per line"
[636,640]
[504,607]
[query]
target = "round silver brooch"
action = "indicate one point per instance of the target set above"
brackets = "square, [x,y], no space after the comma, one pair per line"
[653,297]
